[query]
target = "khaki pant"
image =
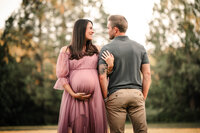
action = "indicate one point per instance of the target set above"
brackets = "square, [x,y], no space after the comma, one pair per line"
[123,102]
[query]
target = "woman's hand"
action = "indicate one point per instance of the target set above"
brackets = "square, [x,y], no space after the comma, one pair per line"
[81,96]
[109,59]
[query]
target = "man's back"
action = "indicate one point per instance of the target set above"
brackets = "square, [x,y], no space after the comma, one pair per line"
[129,56]
[123,94]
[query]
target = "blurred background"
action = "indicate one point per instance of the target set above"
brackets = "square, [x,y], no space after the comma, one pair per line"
[33,31]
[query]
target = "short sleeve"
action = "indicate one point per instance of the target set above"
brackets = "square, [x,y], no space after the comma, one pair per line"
[145,59]
[100,60]
[62,71]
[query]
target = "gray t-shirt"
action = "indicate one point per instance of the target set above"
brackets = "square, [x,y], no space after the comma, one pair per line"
[129,57]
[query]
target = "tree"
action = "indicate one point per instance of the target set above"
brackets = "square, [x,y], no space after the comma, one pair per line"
[29,47]
[174,33]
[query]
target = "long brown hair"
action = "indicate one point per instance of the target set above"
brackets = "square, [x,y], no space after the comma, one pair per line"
[78,40]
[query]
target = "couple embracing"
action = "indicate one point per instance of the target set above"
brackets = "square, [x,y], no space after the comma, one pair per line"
[99,82]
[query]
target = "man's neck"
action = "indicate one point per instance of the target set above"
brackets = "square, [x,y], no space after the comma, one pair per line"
[120,34]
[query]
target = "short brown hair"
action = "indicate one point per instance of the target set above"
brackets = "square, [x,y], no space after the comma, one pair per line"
[118,21]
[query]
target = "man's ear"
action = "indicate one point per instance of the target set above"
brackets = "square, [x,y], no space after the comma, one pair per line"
[116,29]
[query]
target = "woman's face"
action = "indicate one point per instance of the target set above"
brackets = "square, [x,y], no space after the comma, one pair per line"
[89,31]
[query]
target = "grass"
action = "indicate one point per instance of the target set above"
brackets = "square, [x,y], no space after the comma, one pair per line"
[169,128]
[153,128]
[174,125]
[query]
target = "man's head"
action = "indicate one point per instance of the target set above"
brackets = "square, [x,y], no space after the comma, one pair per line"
[116,25]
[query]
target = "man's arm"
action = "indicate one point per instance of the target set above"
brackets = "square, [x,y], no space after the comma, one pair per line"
[103,79]
[146,79]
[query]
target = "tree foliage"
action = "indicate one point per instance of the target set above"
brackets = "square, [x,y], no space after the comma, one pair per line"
[29,46]
[175,35]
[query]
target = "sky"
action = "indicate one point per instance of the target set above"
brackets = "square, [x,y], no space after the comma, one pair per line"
[137,12]
[6,9]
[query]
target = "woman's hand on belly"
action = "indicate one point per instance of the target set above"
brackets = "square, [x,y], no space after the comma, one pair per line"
[81,96]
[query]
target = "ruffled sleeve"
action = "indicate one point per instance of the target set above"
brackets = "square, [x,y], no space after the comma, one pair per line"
[62,71]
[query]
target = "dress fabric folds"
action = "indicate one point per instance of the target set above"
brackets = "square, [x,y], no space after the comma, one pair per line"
[87,116]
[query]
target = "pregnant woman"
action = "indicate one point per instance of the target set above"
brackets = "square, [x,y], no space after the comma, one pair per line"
[82,107]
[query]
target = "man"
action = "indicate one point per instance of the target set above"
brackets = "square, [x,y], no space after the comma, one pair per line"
[125,92]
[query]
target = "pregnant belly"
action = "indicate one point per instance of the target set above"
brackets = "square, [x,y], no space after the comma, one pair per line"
[83,81]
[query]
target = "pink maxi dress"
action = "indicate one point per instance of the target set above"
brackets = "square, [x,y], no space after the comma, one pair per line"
[82,116]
